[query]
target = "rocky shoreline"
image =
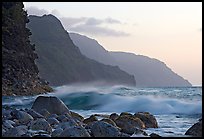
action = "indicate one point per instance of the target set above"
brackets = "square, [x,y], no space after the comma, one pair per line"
[50,117]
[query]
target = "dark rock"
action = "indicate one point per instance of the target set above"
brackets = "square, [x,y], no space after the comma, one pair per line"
[114,116]
[42,135]
[77,116]
[14,132]
[109,121]
[195,130]
[148,119]
[52,121]
[103,129]
[53,116]
[62,118]
[91,119]
[69,123]
[45,113]
[154,135]
[129,124]
[21,116]
[34,114]
[51,103]
[8,124]
[76,131]
[126,113]
[124,135]
[41,124]
[57,132]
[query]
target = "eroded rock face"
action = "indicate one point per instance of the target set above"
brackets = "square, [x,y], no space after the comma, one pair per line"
[195,130]
[103,129]
[51,103]
[148,119]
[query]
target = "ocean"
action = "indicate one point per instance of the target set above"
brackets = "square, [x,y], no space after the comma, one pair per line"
[175,108]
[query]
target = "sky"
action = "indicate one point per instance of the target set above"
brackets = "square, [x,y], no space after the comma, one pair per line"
[168,31]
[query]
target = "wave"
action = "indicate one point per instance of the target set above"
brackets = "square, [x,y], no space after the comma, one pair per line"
[116,99]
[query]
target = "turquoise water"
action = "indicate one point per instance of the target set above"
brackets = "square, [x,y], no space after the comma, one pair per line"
[176,109]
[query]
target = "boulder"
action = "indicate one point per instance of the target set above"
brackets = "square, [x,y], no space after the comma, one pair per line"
[52,121]
[14,132]
[21,116]
[109,121]
[68,124]
[103,129]
[34,114]
[148,119]
[45,113]
[114,116]
[195,130]
[51,103]
[76,131]
[57,132]
[41,124]
[91,119]
[129,124]
[77,116]
[154,135]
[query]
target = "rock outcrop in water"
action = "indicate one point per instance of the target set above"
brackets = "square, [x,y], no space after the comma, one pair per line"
[195,130]
[19,72]
[148,72]
[60,61]
[30,123]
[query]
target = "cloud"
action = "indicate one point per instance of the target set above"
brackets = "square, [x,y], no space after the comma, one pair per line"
[97,30]
[36,11]
[88,25]
[91,25]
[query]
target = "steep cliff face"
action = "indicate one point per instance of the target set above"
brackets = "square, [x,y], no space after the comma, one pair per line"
[148,72]
[19,72]
[61,62]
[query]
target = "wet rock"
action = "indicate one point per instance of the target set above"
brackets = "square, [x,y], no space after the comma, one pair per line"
[154,135]
[21,116]
[8,124]
[103,129]
[51,103]
[62,118]
[91,119]
[123,135]
[52,121]
[42,135]
[195,130]
[53,116]
[148,119]
[67,124]
[57,132]
[129,124]
[109,121]
[14,132]
[76,131]
[41,124]
[114,116]
[126,114]
[34,114]
[45,113]
[26,135]
[77,116]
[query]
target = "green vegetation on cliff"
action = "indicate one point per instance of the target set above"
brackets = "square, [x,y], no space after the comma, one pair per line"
[19,72]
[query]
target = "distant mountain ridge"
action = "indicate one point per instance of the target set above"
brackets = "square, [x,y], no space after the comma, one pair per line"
[60,62]
[148,72]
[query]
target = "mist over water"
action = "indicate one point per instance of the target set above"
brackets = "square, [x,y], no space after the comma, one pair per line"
[121,98]
[176,109]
